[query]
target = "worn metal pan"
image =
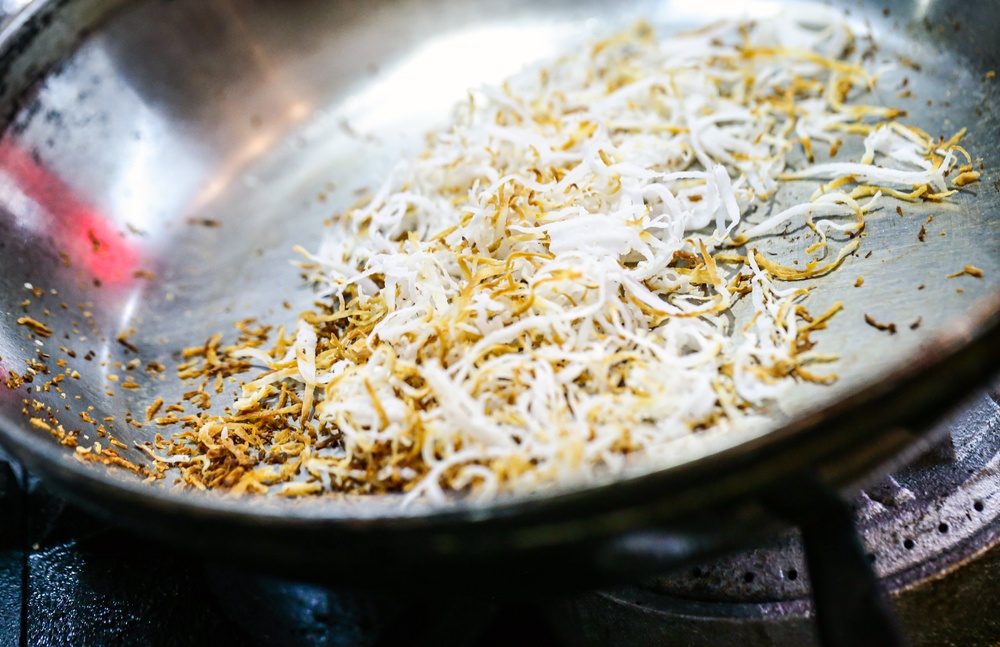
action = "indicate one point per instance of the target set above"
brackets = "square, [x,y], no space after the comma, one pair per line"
[192,138]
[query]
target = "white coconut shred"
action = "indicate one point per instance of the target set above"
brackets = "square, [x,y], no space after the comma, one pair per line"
[546,289]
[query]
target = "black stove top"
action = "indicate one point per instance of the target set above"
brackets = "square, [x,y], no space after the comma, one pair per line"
[67,578]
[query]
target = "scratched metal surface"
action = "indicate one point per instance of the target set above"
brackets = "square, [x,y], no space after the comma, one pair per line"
[200,141]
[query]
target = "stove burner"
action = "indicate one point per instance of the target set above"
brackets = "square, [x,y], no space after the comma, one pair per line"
[927,531]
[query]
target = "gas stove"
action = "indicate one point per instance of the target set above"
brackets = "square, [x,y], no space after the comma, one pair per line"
[930,530]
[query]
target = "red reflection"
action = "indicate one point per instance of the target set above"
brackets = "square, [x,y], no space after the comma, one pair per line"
[7,393]
[87,237]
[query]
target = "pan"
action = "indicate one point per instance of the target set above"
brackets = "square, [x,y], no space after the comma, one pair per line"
[159,160]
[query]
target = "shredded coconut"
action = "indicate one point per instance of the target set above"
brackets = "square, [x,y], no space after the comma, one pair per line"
[544,290]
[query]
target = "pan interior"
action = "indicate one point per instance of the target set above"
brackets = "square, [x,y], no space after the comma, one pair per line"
[153,185]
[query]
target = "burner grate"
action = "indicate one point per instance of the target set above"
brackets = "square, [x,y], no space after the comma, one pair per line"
[927,530]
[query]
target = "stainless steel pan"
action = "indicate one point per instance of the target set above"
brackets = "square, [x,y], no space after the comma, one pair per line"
[199,140]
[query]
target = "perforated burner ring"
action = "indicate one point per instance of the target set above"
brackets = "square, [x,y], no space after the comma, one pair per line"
[928,529]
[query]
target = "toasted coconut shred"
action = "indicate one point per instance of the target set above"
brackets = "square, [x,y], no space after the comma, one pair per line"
[547,288]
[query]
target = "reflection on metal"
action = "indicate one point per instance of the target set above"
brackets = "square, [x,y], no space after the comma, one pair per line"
[47,206]
[10,7]
[921,8]
[256,146]
[436,76]
[22,209]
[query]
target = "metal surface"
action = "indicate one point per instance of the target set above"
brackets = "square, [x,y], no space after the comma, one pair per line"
[931,531]
[8,8]
[143,125]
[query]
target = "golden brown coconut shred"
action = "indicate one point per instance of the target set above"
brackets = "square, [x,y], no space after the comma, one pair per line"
[496,332]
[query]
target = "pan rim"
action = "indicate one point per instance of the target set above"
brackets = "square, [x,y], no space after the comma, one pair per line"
[973,333]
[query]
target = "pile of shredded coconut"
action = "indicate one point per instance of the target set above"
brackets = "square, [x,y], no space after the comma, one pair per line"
[549,286]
